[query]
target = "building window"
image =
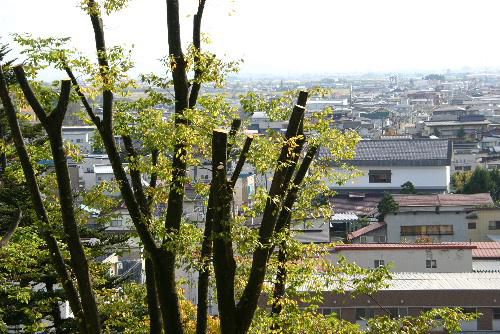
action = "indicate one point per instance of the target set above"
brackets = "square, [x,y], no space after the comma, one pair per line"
[427,230]
[468,310]
[402,311]
[471,226]
[393,311]
[364,313]
[378,263]
[362,239]
[430,264]
[379,176]
[330,310]
[116,223]
[78,140]
[379,239]
[496,313]
[494,225]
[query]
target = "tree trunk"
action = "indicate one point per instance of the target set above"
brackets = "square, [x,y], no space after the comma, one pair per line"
[79,262]
[167,293]
[204,272]
[36,198]
[224,263]
[155,323]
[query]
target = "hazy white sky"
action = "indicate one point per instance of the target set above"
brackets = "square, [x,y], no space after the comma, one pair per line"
[291,36]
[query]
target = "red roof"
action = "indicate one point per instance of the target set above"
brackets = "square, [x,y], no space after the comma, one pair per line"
[455,245]
[486,250]
[364,230]
[469,200]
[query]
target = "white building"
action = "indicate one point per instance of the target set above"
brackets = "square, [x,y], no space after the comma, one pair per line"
[81,136]
[387,164]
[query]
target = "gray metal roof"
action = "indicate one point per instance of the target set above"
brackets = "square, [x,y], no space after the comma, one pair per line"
[407,281]
[344,216]
[486,266]
[404,152]
[444,281]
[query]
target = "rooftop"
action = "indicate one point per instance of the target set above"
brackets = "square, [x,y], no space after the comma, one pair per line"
[444,281]
[468,200]
[365,230]
[394,246]
[412,281]
[486,250]
[455,123]
[403,152]
[362,205]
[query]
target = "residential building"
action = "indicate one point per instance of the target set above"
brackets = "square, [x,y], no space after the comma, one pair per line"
[483,224]
[387,164]
[434,218]
[422,258]
[81,136]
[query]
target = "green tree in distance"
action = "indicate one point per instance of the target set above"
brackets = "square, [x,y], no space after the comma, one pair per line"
[408,188]
[387,205]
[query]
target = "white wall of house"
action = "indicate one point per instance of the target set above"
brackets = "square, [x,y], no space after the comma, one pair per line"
[422,177]
[411,260]
[80,136]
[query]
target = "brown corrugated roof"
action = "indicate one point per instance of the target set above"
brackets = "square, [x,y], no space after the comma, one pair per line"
[365,205]
[486,250]
[365,230]
[469,200]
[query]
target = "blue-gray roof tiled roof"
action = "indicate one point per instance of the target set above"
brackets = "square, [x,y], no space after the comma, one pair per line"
[405,152]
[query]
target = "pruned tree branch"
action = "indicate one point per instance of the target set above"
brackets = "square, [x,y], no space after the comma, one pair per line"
[248,301]
[235,126]
[283,226]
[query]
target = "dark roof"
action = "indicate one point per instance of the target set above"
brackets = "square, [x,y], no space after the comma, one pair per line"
[403,152]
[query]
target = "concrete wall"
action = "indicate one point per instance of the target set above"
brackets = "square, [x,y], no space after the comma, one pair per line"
[422,177]
[411,260]
[456,218]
